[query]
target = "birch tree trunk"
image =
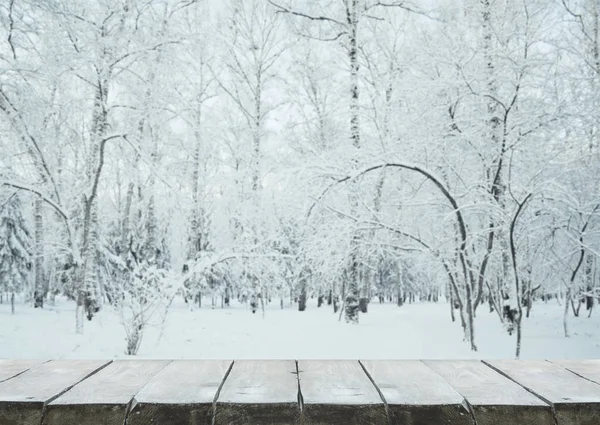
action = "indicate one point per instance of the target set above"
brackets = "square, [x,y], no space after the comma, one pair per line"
[197,229]
[495,172]
[352,294]
[39,289]
[88,276]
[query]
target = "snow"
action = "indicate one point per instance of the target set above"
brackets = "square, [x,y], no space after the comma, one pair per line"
[420,330]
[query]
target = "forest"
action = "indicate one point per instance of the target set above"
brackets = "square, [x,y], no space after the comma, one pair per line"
[270,151]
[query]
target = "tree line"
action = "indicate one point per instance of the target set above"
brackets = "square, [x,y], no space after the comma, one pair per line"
[278,148]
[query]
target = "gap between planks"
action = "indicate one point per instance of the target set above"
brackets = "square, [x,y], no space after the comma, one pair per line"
[218,393]
[51,399]
[22,372]
[575,373]
[544,399]
[465,402]
[385,403]
[130,405]
[300,398]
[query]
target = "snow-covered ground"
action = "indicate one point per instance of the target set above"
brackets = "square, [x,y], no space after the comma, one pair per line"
[387,331]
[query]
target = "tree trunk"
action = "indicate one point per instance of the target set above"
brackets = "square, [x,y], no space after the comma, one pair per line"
[39,292]
[451,299]
[363,304]
[86,285]
[589,278]
[353,287]
[302,298]
[566,313]
[79,310]
[12,303]
[126,216]
[351,307]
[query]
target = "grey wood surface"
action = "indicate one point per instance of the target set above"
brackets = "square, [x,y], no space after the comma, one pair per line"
[339,392]
[23,398]
[416,395]
[259,393]
[589,369]
[576,400]
[103,398]
[494,399]
[11,368]
[334,392]
[181,394]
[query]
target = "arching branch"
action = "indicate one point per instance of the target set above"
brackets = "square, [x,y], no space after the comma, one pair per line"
[427,174]
[41,194]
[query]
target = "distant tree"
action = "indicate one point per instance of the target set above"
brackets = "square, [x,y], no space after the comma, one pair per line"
[15,248]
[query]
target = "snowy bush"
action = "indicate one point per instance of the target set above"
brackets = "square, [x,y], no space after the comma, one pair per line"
[143,300]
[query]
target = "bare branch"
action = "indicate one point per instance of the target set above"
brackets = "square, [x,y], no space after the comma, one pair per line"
[403,5]
[376,18]
[570,11]
[182,5]
[103,142]
[582,249]
[135,52]
[489,96]
[29,140]
[282,9]
[11,26]
[576,16]
[335,38]
[78,17]
[47,199]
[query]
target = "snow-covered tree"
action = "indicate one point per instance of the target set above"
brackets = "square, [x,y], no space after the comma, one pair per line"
[15,248]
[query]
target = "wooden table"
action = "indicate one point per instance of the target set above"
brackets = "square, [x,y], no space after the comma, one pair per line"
[310,392]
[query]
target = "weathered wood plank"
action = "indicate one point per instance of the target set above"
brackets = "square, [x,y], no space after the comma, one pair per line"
[589,369]
[576,400]
[22,399]
[494,399]
[11,368]
[259,393]
[103,399]
[180,394]
[416,395]
[339,392]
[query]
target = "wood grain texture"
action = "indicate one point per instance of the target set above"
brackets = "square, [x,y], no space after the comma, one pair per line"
[22,399]
[589,369]
[416,395]
[103,398]
[494,399]
[259,393]
[576,400]
[180,394]
[339,392]
[11,368]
